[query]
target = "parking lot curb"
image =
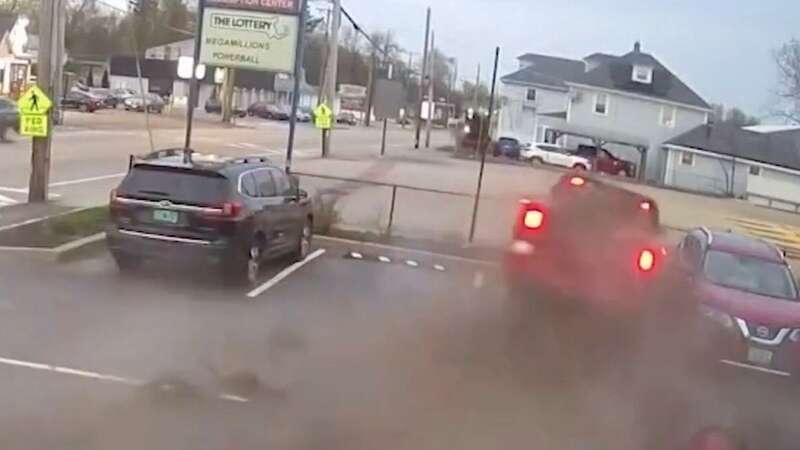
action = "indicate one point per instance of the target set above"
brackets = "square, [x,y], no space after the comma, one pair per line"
[59,254]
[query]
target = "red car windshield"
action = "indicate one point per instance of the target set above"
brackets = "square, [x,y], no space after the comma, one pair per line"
[750,274]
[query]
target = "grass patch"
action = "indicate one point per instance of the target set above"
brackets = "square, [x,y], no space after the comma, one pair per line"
[56,231]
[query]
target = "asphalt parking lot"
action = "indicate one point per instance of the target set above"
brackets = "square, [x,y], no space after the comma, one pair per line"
[363,346]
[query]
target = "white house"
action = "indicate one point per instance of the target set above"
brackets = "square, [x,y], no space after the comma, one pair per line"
[760,163]
[18,53]
[631,104]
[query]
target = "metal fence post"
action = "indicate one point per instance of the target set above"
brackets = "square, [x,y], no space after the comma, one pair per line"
[391,210]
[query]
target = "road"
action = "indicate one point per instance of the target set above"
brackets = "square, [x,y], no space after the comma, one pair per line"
[360,348]
[364,346]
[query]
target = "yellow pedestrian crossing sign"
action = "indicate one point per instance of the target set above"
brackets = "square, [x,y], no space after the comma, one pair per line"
[34,101]
[323,117]
[33,125]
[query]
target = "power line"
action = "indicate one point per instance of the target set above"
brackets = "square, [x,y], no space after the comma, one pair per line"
[360,30]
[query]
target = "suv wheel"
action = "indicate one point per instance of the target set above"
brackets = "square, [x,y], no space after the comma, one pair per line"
[127,264]
[253,264]
[83,107]
[304,243]
[621,173]
[579,167]
[536,160]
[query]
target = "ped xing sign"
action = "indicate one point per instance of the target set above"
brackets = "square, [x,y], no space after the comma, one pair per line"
[34,125]
[249,39]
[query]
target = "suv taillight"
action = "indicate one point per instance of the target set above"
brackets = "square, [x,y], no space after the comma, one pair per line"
[228,210]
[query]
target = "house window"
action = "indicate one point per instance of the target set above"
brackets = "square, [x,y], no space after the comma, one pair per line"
[531,95]
[668,114]
[601,104]
[642,74]
[687,159]
[755,171]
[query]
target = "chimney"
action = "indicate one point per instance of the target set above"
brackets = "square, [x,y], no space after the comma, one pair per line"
[637,47]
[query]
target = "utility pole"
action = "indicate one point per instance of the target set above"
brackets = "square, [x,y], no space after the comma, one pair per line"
[324,67]
[370,88]
[332,72]
[475,91]
[422,79]
[48,73]
[227,94]
[193,82]
[483,150]
[431,97]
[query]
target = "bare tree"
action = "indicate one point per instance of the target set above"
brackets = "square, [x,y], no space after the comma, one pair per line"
[787,58]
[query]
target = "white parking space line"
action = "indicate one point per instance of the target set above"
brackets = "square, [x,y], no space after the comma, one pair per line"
[284,273]
[5,201]
[14,190]
[97,376]
[69,371]
[88,180]
[408,250]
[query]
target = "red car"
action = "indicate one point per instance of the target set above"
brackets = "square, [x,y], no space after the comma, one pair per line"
[604,161]
[748,300]
[589,248]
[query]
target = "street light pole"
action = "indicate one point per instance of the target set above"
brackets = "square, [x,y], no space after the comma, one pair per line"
[193,82]
[483,151]
[431,97]
[422,79]
[332,72]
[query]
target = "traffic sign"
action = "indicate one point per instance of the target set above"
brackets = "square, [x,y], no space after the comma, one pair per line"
[33,125]
[34,101]
[323,117]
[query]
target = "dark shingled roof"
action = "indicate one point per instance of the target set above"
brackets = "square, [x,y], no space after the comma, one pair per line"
[778,149]
[530,75]
[615,73]
[609,72]
[563,68]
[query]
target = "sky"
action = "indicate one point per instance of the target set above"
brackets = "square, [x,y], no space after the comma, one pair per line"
[721,48]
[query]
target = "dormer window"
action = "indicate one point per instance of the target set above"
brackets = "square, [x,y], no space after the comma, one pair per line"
[642,74]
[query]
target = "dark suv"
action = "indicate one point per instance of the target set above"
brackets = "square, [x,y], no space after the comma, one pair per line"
[228,213]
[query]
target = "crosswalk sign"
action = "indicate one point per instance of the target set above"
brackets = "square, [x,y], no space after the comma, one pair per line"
[323,117]
[34,101]
[33,125]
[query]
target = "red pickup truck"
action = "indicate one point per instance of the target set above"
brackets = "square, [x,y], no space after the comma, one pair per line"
[604,161]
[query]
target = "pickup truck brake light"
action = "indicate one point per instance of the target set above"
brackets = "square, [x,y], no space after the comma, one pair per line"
[647,260]
[533,219]
[577,181]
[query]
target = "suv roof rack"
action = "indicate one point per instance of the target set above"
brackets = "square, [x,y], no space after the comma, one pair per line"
[172,154]
[708,233]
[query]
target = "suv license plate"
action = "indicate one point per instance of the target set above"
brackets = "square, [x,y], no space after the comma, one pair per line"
[162,215]
[759,356]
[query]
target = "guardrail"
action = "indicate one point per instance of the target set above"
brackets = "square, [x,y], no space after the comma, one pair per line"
[428,210]
[774,203]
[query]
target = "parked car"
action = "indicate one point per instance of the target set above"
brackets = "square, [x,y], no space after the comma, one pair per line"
[108,99]
[508,147]
[268,111]
[544,153]
[214,106]
[155,104]
[120,94]
[347,118]
[604,161]
[9,117]
[748,301]
[232,214]
[82,101]
[304,115]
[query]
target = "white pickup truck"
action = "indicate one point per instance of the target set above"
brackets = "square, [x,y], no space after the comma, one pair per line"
[543,153]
